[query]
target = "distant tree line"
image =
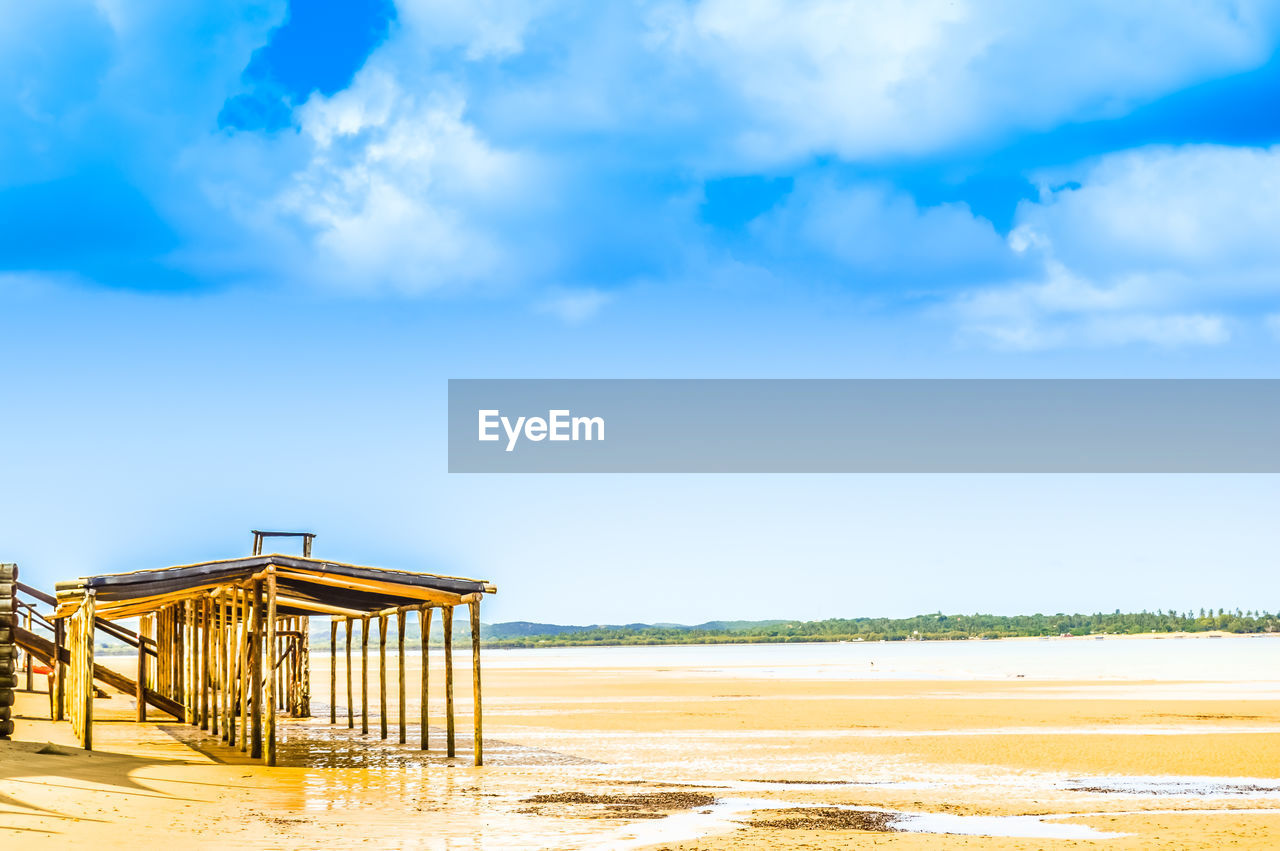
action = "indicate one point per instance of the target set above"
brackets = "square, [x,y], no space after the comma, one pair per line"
[931,627]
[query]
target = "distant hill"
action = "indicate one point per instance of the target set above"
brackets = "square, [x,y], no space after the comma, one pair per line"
[526,629]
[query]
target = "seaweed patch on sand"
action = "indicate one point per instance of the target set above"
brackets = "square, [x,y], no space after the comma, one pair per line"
[828,818]
[631,806]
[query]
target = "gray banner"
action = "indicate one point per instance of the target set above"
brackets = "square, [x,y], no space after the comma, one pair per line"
[863,426]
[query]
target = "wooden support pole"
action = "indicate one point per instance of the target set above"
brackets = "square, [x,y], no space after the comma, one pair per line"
[215,659]
[400,618]
[179,653]
[203,668]
[242,666]
[382,676]
[162,651]
[289,647]
[272,683]
[303,665]
[424,627]
[351,702]
[255,672]
[295,671]
[59,670]
[333,671]
[477,714]
[189,663]
[86,672]
[31,672]
[141,686]
[448,679]
[224,660]
[364,676]
[273,673]
[232,672]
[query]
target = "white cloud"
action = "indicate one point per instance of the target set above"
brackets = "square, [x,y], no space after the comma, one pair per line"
[873,230]
[482,28]
[575,306]
[1148,245]
[1199,211]
[398,187]
[874,79]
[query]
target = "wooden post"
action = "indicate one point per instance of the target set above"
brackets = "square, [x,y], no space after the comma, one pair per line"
[179,653]
[162,650]
[448,679]
[224,661]
[59,670]
[400,617]
[191,700]
[382,676]
[140,692]
[351,702]
[364,676]
[477,715]
[31,674]
[290,677]
[303,665]
[231,672]
[255,672]
[273,672]
[203,668]
[333,671]
[271,683]
[215,661]
[86,675]
[290,674]
[242,665]
[424,626]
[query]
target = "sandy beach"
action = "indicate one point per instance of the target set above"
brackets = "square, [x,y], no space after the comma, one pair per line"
[699,748]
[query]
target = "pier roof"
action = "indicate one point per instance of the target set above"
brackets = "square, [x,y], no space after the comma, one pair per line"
[305,586]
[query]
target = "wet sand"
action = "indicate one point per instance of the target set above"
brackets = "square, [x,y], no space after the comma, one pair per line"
[596,756]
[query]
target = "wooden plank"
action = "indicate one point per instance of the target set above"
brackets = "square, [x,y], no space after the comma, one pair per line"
[373,586]
[333,672]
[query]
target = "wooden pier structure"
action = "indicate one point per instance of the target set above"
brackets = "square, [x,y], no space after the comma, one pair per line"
[225,645]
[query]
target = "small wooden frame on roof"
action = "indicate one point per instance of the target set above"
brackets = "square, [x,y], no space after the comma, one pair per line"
[227,642]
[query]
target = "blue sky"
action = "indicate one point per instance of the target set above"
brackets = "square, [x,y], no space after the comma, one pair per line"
[243,245]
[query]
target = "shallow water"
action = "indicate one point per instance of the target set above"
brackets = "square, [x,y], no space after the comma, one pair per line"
[727,814]
[1251,662]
